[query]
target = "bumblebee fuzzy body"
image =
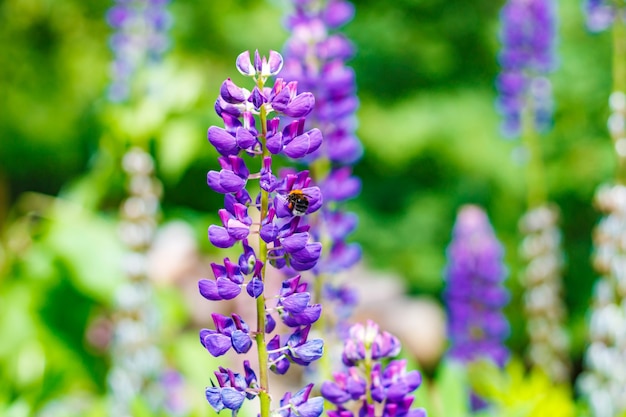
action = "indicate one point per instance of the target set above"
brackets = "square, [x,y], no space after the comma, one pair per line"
[298,202]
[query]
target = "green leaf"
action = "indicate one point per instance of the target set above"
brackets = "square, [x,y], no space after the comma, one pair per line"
[451,383]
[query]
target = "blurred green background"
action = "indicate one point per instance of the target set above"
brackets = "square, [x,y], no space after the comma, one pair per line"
[425,73]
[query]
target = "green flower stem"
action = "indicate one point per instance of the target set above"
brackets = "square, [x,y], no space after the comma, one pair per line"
[367,365]
[264,396]
[535,172]
[619,82]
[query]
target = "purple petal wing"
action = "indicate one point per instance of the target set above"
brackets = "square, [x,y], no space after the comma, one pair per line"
[227,289]
[220,238]
[208,289]
[224,142]
[217,344]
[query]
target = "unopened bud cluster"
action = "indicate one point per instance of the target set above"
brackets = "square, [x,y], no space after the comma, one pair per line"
[545,312]
[604,380]
[368,387]
[137,363]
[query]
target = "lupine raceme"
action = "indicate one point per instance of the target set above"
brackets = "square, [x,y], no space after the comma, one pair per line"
[475,293]
[259,125]
[369,387]
[315,56]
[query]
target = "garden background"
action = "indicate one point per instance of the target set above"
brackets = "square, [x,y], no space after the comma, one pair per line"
[425,71]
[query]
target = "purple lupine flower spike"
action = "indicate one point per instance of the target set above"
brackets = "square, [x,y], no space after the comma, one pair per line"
[368,386]
[315,56]
[527,34]
[475,294]
[263,122]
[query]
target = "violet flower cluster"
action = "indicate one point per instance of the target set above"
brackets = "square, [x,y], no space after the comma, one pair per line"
[600,14]
[528,33]
[315,56]
[475,294]
[367,387]
[140,38]
[258,125]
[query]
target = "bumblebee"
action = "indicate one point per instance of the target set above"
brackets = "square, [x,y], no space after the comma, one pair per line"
[298,202]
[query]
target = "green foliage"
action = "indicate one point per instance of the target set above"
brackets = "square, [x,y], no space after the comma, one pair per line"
[446,395]
[515,393]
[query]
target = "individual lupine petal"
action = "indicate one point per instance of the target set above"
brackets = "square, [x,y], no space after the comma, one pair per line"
[306,256]
[232,398]
[282,94]
[306,317]
[216,343]
[270,323]
[231,93]
[255,287]
[257,98]
[237,229]
[334,393]
[273,65]
[304,144]
[208,289]
[224,142]
[258,62]
[223,109]
[300,106]
[295,242]
[385,345]
[219,237]
[296,303]
[214,397]
[225,181]
[241,341]
[227,289]
[244,65]
[245,139]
